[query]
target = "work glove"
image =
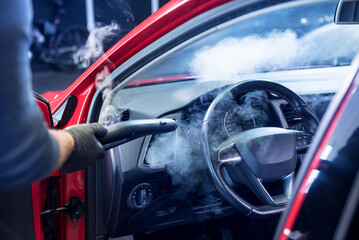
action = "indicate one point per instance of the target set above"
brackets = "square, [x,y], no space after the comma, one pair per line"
[87,147]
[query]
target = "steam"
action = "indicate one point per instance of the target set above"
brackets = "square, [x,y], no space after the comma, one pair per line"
[108,115]
[332,43]
[173,151]
[232,56]
[253,111]
[318,103]
[89,53]
[180,153]
[102,34]
[94,47]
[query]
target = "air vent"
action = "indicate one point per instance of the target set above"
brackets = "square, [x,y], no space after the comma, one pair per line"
[119,115]
[164,143]
[292,118]
[125,115]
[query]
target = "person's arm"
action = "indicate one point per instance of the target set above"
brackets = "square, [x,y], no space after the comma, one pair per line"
[28,151]
[66,145]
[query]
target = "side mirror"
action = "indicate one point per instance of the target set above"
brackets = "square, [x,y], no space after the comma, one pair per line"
[44,106]
[347,12]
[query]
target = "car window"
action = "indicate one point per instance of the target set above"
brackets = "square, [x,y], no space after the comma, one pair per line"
[296,37]
[295,44]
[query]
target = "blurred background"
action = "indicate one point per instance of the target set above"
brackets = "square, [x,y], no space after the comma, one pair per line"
[69,35]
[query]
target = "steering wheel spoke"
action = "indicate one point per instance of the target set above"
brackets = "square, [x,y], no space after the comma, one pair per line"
[303,141]
[229,155]
[255,184]
[274,200]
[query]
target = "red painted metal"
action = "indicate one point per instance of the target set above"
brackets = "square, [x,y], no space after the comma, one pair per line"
[38,189]
[299,198]
[170,16]
[73,184]
[52,95]
[37,206]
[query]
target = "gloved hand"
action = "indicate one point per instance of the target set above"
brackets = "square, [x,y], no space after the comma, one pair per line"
[87,147]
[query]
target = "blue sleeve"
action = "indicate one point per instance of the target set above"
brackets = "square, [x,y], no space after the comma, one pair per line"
[27,151]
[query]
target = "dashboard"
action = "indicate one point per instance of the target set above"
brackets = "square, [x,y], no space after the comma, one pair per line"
[160,181]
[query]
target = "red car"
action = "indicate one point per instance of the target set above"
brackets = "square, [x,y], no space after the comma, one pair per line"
[250,85]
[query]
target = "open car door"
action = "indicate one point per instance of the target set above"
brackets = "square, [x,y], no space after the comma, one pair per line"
[325,199]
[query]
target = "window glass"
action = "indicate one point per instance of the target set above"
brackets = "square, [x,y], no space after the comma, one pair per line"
[295,44]
[297,37]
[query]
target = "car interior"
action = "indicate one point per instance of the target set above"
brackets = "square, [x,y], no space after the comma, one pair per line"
[247,84]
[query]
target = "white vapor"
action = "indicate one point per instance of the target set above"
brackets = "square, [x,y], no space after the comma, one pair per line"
[94,47]
[231,57]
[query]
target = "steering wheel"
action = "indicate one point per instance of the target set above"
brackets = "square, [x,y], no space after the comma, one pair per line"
[257,157]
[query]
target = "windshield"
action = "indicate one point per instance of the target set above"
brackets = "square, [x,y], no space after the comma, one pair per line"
[296,37]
